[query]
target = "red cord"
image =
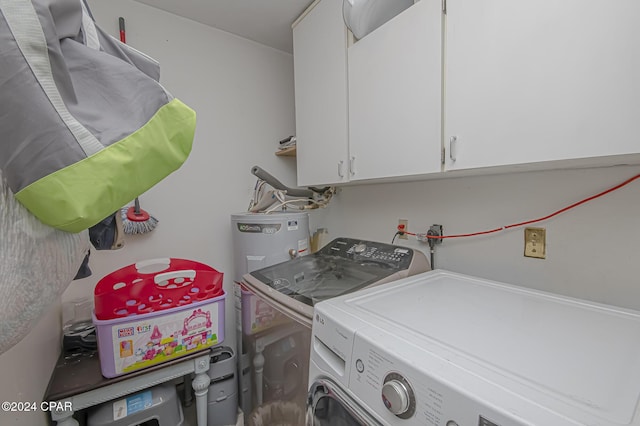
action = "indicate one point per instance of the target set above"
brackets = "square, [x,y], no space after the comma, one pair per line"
[528,222]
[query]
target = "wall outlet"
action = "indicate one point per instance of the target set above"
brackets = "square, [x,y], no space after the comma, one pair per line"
[535,242]
[403,225]
[436,230]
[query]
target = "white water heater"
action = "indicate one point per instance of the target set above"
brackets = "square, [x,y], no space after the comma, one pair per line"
[261,240]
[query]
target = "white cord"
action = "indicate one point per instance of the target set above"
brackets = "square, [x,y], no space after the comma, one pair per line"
[314,204]
[284,203]
[257,193]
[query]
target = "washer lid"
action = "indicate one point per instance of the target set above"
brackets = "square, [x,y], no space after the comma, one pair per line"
[342,266]
[364,16]
[317,277]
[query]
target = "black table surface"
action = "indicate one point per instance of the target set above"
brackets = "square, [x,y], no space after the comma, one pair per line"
[81,373]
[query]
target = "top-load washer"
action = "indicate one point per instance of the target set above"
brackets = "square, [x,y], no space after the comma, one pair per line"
[260,240]
[279,326]
[447,349]
[342,266]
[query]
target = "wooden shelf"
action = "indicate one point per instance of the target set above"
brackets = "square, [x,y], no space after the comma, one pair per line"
[287,152]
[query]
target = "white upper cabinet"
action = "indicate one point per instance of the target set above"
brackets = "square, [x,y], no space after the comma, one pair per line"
[395,92]
[320,68]
[492,85]
[540,81]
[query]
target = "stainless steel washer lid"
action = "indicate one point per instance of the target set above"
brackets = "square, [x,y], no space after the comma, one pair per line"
[312,279]
[342,266]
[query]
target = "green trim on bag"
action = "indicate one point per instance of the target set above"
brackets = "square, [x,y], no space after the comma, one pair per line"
[81,195]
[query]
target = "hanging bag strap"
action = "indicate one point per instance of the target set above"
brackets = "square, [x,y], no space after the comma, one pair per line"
[25,26]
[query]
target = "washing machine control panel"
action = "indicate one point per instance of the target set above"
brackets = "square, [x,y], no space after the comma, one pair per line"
[396,257]
[389,384]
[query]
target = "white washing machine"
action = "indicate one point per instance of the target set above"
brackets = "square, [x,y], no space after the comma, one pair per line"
[444,349]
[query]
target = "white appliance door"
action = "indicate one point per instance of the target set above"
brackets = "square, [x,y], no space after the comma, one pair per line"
[328,405]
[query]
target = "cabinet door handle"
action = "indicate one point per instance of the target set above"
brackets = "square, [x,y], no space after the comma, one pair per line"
[352,166]
[340,166]
[453,148]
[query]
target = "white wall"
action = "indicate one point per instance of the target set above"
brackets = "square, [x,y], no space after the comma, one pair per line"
[592,250]
[242,93]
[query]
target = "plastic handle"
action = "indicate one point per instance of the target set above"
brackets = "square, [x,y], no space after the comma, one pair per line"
[453,148]
[143,265]
[123,37]
[189,273]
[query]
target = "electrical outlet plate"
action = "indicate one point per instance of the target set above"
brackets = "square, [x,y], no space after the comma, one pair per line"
[535,243]
[436,230]
[404,222]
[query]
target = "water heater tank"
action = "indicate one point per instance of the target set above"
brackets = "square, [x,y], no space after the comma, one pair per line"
[261,240]
[364,16]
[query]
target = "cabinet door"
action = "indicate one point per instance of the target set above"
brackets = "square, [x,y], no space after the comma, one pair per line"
[539,81]
[320,69]
[395,76]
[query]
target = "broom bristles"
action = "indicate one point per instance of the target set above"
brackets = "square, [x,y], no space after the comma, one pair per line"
[131,227]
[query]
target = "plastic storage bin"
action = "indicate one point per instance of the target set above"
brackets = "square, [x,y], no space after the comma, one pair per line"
[222,409]
[155,311]
[158,405]
[258,315]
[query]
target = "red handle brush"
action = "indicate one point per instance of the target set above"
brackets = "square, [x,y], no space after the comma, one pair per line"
[134,219]
[123,37]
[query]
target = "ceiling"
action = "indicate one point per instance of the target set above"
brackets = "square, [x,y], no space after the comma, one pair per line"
[265,21]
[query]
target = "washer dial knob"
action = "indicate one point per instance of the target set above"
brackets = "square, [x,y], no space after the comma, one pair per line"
[360,248]
[398,396]
[395,397]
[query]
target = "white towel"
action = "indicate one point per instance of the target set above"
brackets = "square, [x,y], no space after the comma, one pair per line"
[37,263]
